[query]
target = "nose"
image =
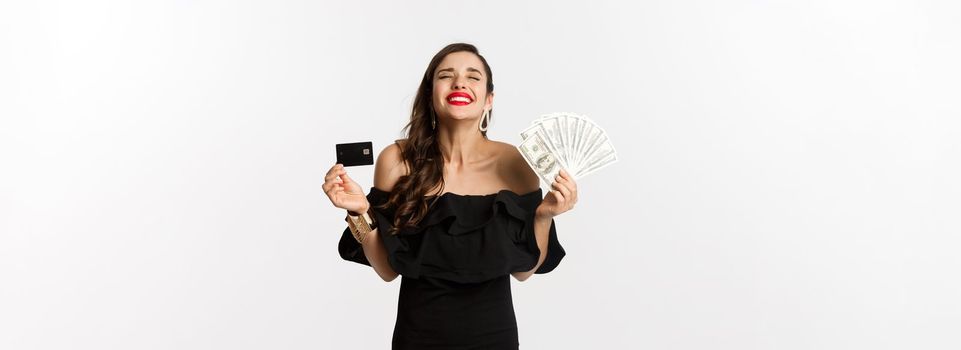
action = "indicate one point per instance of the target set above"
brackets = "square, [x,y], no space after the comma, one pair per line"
[460,83]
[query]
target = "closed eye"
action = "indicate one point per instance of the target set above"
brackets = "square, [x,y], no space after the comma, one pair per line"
[447,76]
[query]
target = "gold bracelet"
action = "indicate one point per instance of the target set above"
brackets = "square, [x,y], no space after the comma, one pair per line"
[360,225]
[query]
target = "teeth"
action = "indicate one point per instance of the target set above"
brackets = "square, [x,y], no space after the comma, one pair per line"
[459,99]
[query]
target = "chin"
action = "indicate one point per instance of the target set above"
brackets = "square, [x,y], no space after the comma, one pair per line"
[465,115]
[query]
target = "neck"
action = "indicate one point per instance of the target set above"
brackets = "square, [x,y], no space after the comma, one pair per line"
[460,142]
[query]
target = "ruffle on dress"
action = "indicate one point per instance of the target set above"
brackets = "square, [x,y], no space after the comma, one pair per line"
[463,238]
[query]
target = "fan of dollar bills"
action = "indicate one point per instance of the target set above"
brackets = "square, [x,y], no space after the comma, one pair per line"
[566,140]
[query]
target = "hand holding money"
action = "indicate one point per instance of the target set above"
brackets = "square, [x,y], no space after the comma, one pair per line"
[561,198]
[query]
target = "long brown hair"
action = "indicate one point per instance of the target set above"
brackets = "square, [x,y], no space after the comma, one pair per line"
[420,152]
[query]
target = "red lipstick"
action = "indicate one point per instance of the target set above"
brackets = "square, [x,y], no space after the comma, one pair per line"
[459,99]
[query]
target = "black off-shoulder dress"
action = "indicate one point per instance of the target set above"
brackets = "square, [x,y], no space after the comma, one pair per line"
[455,287]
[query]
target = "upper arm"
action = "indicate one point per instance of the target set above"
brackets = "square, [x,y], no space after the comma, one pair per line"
[389,168]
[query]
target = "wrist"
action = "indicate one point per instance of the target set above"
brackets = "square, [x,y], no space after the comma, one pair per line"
[363,210]
[542,215]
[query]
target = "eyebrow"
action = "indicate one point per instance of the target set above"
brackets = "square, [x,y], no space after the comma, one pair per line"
[469,69]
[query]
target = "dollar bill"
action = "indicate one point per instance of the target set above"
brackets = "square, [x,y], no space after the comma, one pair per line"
[569,141]
[581,129]
[600,160]
[540,157]
[530,130]
[554,136]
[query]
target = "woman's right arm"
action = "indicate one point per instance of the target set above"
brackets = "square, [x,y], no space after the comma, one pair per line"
[346,194]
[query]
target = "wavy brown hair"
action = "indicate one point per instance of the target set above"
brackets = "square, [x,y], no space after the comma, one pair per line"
[420,152]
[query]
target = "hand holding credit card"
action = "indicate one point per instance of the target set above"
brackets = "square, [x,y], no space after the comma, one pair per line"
[344,192]
[357,153]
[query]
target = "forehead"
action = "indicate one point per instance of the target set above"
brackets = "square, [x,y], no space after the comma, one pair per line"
[461,61]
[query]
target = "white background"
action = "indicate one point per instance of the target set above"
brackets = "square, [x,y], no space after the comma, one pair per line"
[788,172]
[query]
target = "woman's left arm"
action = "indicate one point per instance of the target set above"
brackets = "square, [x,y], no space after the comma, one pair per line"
[559,200]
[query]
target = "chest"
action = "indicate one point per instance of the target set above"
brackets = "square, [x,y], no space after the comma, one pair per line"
[478,179]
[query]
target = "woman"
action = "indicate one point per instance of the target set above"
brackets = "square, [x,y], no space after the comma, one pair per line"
[454,213]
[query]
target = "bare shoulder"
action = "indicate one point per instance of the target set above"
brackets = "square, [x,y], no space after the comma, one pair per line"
[515,171]
[389,167]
